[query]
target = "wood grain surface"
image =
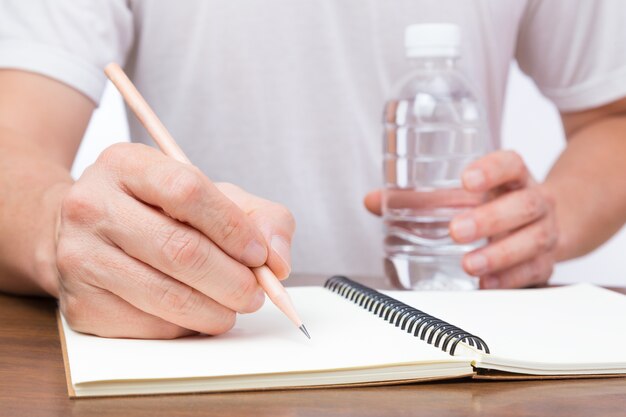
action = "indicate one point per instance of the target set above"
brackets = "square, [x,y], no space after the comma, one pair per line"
[32,383]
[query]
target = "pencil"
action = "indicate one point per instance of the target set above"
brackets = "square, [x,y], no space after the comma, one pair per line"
[264,275]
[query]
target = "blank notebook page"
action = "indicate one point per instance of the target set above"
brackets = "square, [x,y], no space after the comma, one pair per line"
[343,335]
[578,327]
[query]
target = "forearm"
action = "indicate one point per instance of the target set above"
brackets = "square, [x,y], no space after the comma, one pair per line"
[41,124]
[588,185]
[31,187]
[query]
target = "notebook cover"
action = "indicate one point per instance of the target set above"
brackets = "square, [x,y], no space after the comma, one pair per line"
[495,375]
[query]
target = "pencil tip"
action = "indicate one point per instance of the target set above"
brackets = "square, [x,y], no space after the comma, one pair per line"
[305,331]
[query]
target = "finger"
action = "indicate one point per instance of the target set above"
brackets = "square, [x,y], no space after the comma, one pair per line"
[536,271]
[509,212]
[181,252]
[494,170]
[185,194]
[154,292]
[95,311]
[373,202]
[522,245]
[277,225]
[275,222]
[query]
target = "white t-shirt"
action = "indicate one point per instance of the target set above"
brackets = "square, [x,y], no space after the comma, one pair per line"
[285,98]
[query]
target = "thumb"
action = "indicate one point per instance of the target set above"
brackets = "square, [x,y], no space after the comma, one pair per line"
[373,202]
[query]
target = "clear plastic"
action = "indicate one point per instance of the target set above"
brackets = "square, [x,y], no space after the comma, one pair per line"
[434,126]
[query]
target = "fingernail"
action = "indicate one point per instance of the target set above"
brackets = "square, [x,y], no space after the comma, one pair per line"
[282,248]
[255,254]
[464,228]
[490,283]
[473,178]
[476,263]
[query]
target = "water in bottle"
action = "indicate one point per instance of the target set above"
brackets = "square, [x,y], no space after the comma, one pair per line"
[434,126]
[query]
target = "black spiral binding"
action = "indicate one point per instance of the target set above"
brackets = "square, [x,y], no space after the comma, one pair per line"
[440,334]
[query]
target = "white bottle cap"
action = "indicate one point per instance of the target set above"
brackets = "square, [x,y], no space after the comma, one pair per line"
[432,40]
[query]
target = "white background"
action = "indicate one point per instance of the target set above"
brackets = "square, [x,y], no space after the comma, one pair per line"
[531,126]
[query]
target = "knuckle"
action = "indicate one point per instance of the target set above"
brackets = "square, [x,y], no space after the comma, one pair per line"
[488,220]
[550,201]
[229,226]
[114,154]
[79,207]
[109,155]
[514,158]
[534,271]
[545,239]
[533,205]
[68,258]
[175,298]
[556,233]
[74,312]
[515,163]
[182,248]
[184,185]
[520,276]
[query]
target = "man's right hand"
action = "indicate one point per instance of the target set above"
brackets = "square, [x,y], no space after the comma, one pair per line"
[150,248]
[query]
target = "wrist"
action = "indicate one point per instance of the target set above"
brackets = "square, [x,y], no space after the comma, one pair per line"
[45,273]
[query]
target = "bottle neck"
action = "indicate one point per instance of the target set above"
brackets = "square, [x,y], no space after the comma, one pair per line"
[433,63]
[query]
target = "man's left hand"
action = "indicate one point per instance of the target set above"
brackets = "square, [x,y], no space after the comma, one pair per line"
[518,219]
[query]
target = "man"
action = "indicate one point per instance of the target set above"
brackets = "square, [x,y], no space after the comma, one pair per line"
[284,100]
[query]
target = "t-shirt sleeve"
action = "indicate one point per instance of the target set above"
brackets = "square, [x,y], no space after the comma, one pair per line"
[68,40]
[575,51]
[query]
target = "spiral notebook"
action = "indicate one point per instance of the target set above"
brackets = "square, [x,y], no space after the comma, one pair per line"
[361,336]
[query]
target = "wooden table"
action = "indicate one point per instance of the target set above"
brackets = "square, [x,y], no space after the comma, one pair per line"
[32,383]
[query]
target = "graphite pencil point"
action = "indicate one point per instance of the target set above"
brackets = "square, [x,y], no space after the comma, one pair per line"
[304,330]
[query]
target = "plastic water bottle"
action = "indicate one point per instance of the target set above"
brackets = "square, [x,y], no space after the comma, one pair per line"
[433,127]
